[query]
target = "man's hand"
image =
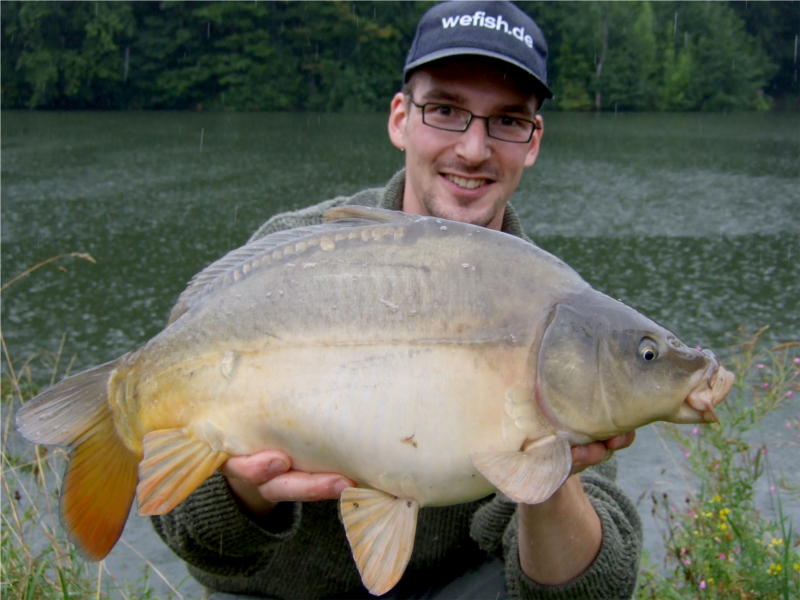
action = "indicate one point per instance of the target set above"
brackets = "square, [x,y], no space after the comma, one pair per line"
[263,479]
[594,453]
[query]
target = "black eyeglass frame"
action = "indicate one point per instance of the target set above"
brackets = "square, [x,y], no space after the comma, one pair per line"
[472,115]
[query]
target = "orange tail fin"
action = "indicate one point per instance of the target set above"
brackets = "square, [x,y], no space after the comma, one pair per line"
[100,481]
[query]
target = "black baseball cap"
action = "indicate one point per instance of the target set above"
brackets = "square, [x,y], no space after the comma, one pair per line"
[498,30]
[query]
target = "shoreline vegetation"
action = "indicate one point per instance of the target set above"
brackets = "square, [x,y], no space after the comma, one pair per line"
[348,56]
[721,541]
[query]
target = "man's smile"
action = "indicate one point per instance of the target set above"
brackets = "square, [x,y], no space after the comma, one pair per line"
[469,183]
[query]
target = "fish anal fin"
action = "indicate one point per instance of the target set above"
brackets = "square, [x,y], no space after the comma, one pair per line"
[98,489]
[380,528]
[175,464]
[530,476]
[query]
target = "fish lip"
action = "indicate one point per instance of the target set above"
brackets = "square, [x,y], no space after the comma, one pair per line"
[709,388]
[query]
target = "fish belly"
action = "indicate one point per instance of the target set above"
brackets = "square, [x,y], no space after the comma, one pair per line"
[404,419]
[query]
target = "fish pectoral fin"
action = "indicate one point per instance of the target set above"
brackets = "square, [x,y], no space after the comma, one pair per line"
[174,465]
[380,528]
[530,476]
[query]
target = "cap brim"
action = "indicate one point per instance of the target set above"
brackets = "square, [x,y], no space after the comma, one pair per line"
[460,51]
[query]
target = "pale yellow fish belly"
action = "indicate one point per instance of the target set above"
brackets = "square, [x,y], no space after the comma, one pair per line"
[404,419]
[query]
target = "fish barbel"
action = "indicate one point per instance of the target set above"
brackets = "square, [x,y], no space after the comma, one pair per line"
[429,361]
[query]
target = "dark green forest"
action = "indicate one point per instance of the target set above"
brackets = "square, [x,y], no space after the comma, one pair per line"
[348,56]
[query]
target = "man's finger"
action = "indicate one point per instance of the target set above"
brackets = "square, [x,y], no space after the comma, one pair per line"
[297,486]
[257,468]
[588,455]
[621,441]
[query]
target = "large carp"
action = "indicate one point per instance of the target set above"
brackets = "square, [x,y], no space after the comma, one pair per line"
[427,360]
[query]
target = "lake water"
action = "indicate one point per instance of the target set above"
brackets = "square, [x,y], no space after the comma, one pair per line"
[693,219]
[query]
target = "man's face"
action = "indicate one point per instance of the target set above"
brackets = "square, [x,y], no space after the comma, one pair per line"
[464,176]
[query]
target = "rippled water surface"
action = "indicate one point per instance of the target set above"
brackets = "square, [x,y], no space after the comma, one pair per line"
[693,219]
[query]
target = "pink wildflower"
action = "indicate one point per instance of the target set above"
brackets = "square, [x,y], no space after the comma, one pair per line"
[760,366]
[722,556]
[703,584]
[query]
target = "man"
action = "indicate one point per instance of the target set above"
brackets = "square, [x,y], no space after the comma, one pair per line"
[466,119]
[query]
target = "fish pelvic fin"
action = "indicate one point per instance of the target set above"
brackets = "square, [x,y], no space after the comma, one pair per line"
[380,528]
[175,463]
[530,476]
[100,479]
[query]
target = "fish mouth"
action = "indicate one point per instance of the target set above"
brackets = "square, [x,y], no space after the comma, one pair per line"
[711,389]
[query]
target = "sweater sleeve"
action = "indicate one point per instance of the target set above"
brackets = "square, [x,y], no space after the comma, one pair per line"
[613,572]
[209,528]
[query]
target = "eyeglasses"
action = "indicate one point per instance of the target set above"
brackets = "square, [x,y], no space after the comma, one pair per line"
[453,118]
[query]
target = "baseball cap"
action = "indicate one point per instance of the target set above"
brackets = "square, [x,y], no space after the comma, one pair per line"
[498,30]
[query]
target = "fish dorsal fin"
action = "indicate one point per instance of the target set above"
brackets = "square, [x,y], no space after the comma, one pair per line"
[245,259]
[380,528]
[239,262]
[529,476]
[174,465]
[365,215]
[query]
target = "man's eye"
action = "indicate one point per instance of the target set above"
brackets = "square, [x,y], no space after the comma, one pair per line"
[510,122]
[442,110]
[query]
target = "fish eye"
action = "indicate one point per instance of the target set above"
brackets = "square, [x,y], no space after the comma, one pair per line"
[648,349]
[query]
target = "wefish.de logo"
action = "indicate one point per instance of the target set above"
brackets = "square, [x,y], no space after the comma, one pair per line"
[481,19]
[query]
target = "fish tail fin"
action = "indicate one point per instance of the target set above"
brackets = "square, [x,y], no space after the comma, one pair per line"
[100,479]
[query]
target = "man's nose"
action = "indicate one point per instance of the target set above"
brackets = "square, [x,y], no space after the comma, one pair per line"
[474,145]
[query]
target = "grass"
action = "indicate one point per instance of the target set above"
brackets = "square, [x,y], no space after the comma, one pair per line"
[721,542]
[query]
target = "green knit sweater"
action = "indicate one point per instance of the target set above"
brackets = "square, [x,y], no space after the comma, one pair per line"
[300,550]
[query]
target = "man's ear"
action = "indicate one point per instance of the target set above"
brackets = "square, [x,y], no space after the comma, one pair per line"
[536,140]
[398,115]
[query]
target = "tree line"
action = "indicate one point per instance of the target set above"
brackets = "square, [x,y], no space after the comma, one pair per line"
[348,56]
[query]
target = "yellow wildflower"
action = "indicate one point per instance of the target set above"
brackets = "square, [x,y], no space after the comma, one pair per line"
[776,542]
[774,569]
[716,498]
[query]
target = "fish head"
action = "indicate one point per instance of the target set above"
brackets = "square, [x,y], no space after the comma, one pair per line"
[605,369]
